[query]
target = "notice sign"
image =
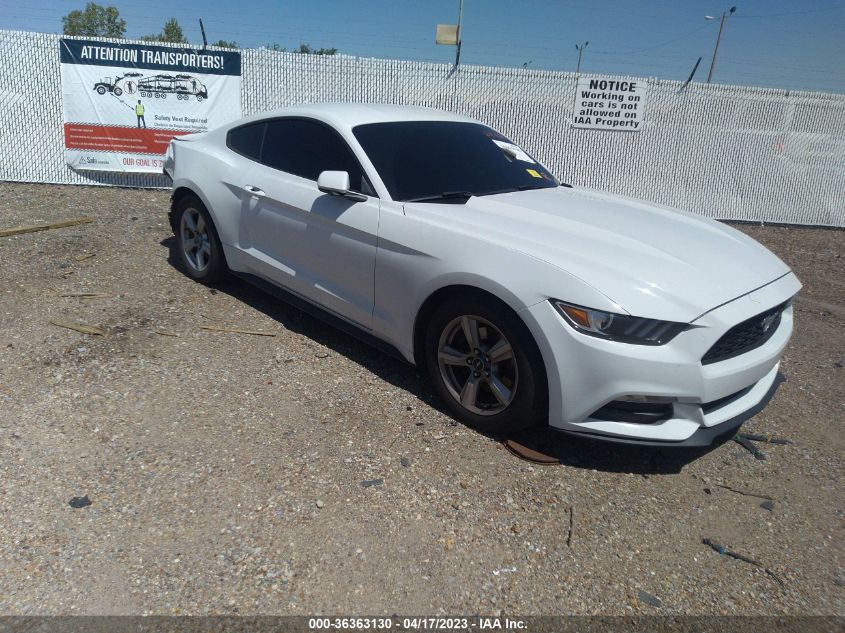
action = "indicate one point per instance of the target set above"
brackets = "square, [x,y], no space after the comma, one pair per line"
[124,102]
[608,104]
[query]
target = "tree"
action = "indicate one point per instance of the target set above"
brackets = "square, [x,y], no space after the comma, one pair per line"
[307,50]
[304,49]
[94,21]
[225,44]
[171,32]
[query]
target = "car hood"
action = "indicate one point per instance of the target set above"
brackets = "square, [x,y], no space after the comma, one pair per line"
[651,261]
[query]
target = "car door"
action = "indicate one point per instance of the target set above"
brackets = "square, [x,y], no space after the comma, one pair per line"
[318,245]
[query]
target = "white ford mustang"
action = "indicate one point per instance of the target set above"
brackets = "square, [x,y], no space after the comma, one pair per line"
[525,299]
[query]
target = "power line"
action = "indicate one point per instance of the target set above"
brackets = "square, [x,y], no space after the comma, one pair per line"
[773,15]
[648,48]
[146,18]
[392,42]
[414,48]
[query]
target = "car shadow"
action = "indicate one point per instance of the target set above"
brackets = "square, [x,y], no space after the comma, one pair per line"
[588,453]
[576,452]
[391,369]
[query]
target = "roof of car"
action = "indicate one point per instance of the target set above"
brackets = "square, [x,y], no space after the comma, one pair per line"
[352,114]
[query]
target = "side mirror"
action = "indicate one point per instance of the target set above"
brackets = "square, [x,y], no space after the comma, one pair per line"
[336,183]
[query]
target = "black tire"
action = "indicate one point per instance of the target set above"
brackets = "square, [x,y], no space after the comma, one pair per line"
[101,90]
[199,250]
[118,92]
[523,370]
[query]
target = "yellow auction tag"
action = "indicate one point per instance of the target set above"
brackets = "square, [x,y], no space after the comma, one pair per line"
[534,173]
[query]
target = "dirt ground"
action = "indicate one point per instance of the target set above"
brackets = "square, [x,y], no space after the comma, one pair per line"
[307,473]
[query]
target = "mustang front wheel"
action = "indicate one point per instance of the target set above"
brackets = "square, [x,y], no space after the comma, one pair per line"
[485,365]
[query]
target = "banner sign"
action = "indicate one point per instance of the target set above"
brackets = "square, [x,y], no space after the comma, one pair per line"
[124,102]
[606,104]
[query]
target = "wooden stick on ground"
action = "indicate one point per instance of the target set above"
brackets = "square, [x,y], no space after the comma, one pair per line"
[43,227]
[85,329]
[746,493]
[728,552]
[215,328]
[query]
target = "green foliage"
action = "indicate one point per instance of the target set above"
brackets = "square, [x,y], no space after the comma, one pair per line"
[94,21]
[307,50]
[99,21]
[171,32]
[304,49]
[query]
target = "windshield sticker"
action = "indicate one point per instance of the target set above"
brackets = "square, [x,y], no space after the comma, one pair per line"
[534,173]
[514,150]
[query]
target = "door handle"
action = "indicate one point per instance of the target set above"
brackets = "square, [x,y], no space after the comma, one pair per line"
[255,191]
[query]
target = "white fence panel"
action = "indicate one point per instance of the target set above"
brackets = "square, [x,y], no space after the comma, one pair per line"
[727,152]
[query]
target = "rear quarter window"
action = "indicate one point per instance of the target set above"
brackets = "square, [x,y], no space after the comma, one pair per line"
[305,148]
[247,140]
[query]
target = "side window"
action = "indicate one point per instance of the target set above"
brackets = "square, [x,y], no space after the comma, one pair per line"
[247,139]
[305,148]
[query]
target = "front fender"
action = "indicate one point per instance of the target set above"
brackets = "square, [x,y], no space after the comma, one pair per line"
[415,260]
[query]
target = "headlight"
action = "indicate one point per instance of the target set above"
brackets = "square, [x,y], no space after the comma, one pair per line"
[618,327]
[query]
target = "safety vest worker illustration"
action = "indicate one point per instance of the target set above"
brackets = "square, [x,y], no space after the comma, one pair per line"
[139,112]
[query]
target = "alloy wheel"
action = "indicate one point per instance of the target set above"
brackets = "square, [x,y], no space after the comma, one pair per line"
[478,365]
[196,244]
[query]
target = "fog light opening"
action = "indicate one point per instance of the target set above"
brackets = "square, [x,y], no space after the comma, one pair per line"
[638,409]
[652,399]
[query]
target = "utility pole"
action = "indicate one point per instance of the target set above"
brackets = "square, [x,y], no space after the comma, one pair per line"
[450,34]
[460,22]
[580,50]
[718,40]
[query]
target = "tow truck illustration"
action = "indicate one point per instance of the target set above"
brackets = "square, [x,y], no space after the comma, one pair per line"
[116,84]
[157,86]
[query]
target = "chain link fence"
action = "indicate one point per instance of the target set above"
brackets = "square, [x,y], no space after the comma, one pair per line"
[727,152]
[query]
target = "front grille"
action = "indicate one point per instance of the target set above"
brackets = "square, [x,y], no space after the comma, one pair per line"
[748,335]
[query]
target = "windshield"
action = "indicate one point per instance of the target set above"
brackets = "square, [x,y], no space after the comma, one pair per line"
[448,160]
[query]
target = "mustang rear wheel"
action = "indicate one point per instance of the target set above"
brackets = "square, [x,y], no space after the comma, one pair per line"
[197,241]
[485,365]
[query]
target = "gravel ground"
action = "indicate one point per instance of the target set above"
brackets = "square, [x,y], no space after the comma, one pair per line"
[307,473]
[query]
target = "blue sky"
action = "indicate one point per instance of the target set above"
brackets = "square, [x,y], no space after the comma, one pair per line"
[774,43]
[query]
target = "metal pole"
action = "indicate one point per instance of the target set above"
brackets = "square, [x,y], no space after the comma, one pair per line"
[460,22]
[580,49]
[718,41]
[691,75]
[204,41]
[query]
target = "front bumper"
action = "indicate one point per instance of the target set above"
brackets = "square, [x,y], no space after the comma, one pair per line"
[707,401]
[705,435]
